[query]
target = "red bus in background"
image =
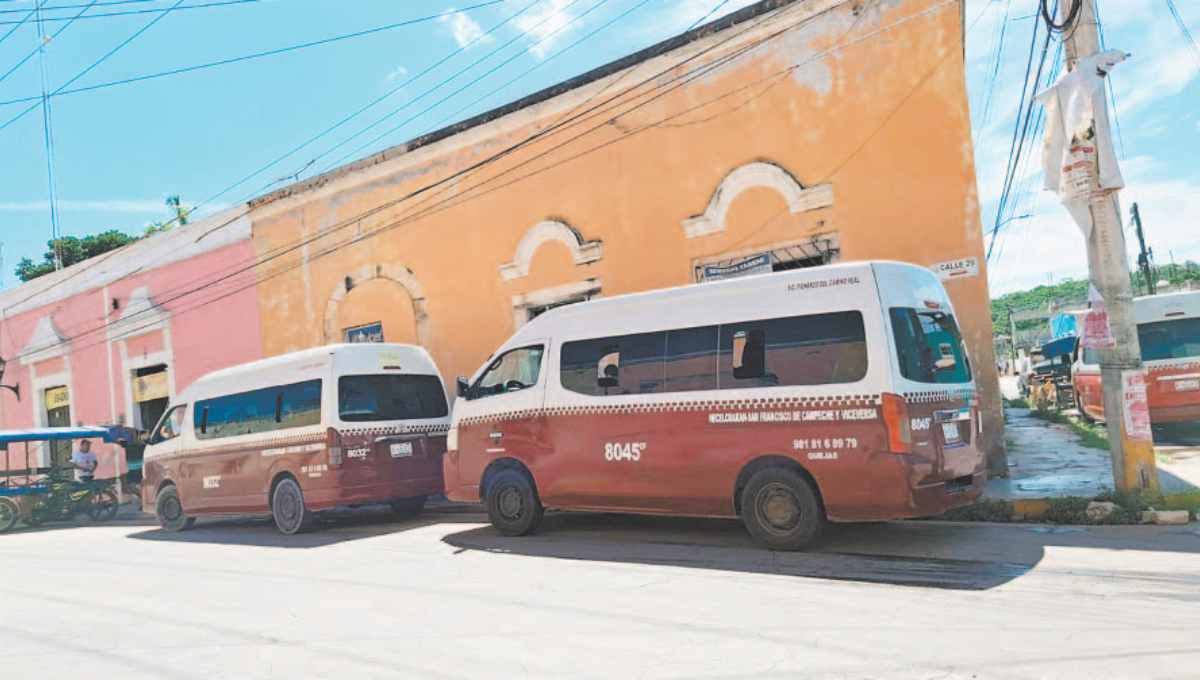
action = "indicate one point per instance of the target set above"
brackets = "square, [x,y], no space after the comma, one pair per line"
[841,392]
[1169,335]
[339,425]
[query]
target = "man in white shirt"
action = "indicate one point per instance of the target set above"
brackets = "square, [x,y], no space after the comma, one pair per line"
[84,461]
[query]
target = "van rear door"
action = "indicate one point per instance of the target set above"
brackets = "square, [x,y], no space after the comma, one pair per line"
[386,426]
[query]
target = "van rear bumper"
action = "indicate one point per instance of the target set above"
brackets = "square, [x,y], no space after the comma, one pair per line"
[923,500]
[1175,414]
[324,499]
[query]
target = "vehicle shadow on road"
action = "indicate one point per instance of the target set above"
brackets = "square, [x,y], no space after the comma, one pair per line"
[938,555]
[329,528]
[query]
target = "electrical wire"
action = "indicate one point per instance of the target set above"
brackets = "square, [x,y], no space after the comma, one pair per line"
[18,24]
[547,18]
[446,204]
[41,41]
[224,62]
[711,12]
[143,11]
[97,4]
[1183,30]
[1068,22]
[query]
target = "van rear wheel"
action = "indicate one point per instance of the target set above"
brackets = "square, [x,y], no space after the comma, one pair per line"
[169,510]
[781,510]
[287,507]
[512,503]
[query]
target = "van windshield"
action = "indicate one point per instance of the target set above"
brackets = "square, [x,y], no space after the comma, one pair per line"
[1174,339]
[370,398]
[929,346]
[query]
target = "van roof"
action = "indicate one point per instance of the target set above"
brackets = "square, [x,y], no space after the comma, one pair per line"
[862,268]
[1156,307]
[299,357]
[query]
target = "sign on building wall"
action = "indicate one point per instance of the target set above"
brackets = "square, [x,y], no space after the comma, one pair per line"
[957,269]
[148,387]
[57,397]
[372,332]
[747,266]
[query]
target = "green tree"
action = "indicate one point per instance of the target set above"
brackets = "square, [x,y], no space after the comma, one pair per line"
[71,250]
[181,217]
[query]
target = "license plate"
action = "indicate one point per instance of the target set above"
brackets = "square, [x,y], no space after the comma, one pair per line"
[1185,385]
[950,432]
[402,449]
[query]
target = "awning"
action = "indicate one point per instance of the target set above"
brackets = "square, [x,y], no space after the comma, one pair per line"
[108,433]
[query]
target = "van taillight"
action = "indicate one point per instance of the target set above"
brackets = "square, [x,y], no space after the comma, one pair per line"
[895,417]
[333,441]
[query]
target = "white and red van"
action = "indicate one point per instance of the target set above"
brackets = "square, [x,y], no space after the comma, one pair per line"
[841,392]
[339,425]
[1169,334]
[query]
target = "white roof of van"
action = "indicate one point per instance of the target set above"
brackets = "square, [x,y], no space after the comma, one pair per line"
[1157,307]
[306,354]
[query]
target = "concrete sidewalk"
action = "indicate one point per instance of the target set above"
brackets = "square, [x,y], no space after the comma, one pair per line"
[1047,460]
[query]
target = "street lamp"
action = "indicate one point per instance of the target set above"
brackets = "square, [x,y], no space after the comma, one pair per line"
[16,389]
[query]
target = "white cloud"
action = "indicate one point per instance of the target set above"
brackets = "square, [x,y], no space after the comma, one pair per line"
[110,206]
[544,25]
[400,72]
[463,28]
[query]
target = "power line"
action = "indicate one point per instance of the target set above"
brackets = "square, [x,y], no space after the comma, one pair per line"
[477,79]
[47,128]
[141,11]
[224,62]
[18,24]
[1183,30]
[51,8]
[42,40]
[223,279]
[711,12]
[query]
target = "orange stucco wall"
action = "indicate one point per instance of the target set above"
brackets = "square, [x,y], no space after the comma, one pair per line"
[870,100]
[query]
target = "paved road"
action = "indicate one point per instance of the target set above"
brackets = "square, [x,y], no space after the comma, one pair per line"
[598,597]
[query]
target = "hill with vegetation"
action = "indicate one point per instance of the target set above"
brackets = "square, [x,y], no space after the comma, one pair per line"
[1045,301]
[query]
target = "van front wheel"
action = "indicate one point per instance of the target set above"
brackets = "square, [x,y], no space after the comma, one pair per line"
[287,507]
[169,510]
[781,509]
[512,503]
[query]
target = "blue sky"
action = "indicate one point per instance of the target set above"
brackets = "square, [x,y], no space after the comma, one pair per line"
[120,151]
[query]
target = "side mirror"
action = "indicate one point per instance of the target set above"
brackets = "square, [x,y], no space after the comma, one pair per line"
[463,386]
[608,368]
[749,354]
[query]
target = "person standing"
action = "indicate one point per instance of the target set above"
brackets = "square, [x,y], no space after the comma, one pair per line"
[84,461]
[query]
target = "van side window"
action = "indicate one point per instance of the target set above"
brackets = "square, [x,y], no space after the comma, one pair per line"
[171,425]
[627,364]
[817,349]
[279,407]
[514,370]
[692,359]
[929,346]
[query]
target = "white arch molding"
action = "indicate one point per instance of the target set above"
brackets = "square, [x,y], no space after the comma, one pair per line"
[749,176]
[544,232]
[390,271]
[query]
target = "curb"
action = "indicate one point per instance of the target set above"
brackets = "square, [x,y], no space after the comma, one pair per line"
[1033,508]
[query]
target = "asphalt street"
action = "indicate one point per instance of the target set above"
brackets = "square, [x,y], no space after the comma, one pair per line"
[596,596]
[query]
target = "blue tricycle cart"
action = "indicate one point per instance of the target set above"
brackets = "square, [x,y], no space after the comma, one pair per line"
[42,494]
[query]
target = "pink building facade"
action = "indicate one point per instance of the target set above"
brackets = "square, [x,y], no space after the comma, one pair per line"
[114,339]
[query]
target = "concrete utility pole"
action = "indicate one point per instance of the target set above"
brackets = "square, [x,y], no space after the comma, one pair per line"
[1133,460]
[1144,256]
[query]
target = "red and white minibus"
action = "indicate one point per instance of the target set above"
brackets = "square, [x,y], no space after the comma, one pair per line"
[1169,334]
[841,392]
[339,425]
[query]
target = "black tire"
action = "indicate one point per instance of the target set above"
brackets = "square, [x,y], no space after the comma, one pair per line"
[1083,415]
[781,510]
[408,507]
[102,506]
[9,512]
[288,509]
[512,503]
[169,510]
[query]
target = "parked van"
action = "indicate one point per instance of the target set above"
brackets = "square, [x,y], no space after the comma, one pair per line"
[1169,334]
[841,392]
[339,425]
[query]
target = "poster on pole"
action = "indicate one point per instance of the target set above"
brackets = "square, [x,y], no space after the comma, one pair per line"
[1097,332]
[1136,406]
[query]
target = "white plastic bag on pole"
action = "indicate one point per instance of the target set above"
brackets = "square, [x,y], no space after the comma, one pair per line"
[1076,143]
